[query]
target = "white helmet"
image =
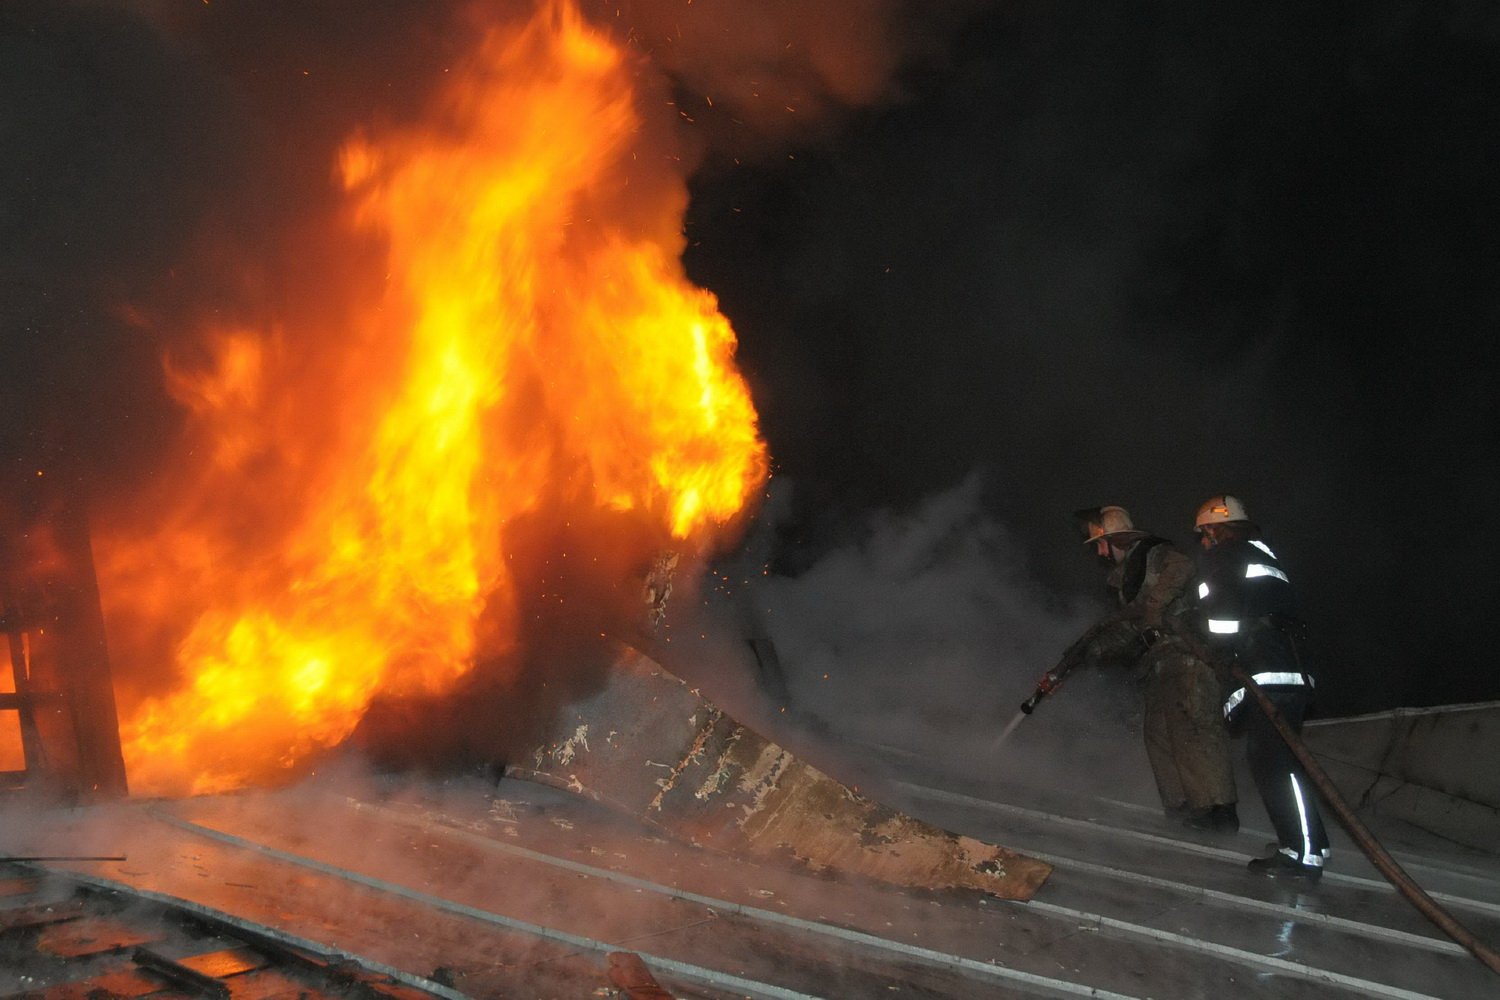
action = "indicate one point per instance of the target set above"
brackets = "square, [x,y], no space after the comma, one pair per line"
[1110,523]
[1221,509]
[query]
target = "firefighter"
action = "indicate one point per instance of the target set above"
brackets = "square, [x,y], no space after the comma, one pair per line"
[1248,611]
[1149,633]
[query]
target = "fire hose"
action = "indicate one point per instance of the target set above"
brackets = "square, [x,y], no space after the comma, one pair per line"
[1373,849]
[1378,855]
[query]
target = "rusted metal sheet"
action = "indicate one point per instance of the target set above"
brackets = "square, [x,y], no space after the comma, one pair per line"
[651,745]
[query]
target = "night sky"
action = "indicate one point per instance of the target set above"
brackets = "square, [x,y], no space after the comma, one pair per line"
[1082,252]
[1145,253]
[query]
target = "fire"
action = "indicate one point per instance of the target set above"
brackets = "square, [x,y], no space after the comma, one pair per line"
[340,527]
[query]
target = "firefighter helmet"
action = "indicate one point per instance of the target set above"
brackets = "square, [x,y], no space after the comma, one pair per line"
[1222,509]
[1109,523]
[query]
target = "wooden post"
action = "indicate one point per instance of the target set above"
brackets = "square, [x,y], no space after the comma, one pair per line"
[55,625]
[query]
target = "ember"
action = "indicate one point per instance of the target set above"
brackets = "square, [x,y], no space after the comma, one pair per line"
[538,351]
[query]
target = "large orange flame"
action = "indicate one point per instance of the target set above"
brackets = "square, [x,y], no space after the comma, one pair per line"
[343,525]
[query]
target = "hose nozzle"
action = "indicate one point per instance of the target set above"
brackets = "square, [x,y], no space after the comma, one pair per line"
[1049,683]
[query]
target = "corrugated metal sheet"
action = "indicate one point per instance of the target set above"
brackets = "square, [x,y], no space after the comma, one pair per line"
[647,743]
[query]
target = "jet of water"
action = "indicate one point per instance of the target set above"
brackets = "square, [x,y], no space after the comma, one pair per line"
[1010,727]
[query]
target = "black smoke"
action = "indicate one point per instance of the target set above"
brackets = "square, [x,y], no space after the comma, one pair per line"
[1100,252]
[1142,254]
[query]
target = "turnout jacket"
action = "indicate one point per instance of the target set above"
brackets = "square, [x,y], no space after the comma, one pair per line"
[1242,587]
[1247,608]
[1153,588]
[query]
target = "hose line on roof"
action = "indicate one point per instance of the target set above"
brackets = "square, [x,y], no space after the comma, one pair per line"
[1373,849]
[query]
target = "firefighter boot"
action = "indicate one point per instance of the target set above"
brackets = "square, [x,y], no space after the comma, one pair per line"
[1222,818]
[1284,866]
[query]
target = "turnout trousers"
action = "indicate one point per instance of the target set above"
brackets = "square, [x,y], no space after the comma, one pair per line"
[1289,799]
[1186,741]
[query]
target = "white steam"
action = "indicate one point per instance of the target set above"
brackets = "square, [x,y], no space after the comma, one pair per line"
[915,641]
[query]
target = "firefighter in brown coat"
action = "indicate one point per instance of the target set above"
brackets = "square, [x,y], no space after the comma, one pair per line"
[1150,634]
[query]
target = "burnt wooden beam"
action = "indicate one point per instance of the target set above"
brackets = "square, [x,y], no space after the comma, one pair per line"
[180,975]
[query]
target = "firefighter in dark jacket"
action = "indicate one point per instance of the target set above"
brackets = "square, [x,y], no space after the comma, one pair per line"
[1248,611]
[1150,634]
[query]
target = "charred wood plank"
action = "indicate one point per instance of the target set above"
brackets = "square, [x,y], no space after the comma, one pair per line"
[226,962]
[32,699]
[115,984]
[180,975]
[89,936]
[27,917]
[23,886]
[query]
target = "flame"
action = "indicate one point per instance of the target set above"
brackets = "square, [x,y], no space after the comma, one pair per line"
[340,527]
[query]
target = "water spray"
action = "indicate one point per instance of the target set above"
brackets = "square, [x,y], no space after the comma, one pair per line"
[1009,728]
[1050,682]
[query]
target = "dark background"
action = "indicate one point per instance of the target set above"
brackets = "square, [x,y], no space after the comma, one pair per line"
[1145,253]
[1101,252]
